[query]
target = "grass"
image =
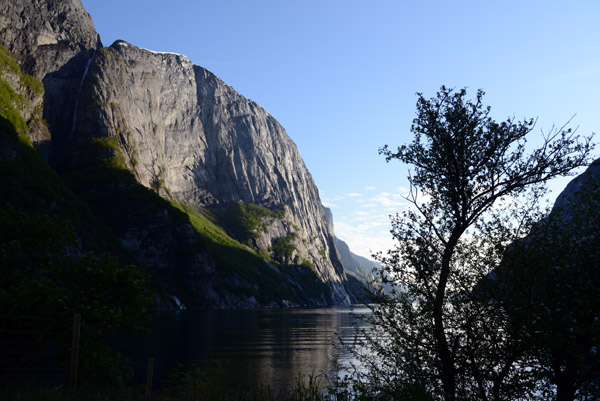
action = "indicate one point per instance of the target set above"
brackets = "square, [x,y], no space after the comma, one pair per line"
[104,182]
[9,64]
[33,186]
[29,183]
[230,256]
[197,385]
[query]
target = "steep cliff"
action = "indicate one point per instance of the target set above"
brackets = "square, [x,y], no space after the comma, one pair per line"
[52,40]
[201,184]
[355,264]
[195,140]
[359,270]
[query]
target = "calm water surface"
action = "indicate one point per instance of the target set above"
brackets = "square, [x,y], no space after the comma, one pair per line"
[269,346]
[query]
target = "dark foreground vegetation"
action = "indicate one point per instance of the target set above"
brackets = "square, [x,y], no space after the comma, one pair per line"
[196,386]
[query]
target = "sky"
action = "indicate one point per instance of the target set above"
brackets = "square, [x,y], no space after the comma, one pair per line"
[341,76]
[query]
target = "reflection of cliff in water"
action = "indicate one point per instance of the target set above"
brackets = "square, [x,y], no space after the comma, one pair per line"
[296,344]
[246,347]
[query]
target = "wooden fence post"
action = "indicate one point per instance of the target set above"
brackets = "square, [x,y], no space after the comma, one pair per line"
[74,354]
[149,374]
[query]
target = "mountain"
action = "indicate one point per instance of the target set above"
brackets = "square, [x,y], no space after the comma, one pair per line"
[358,269]
[358,265]
[579,187]
[185,176]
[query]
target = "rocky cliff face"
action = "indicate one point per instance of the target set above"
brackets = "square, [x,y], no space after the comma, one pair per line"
[357,265]
[196,139]
[52,40]
[45,35]
[176,129]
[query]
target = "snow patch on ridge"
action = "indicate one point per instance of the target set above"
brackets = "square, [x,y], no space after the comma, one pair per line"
[122,43]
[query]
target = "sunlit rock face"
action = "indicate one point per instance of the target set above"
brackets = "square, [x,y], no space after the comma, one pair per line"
[52,40]
[207,144]
[178,125]
[46,35]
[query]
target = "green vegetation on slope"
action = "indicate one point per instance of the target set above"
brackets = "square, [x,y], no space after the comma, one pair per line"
[267,283]
[283,247]
[245,220]
[104,182]
[29,183]
[32,186]
[12,101]
[57,257]
[8,63]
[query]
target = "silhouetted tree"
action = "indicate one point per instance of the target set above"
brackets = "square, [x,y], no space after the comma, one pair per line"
[468,174]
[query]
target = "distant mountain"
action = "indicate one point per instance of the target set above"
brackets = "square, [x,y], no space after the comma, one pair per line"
[175,170]
[358,265]
[358,269]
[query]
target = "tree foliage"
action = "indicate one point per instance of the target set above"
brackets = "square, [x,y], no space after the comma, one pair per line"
[474,187]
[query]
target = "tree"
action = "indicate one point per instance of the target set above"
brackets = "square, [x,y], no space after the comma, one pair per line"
[467,171]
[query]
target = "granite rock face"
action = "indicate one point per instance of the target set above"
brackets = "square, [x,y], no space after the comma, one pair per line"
[356,264]
[26,95]
[46,35]
[197,140]
[183,132]
[52,40]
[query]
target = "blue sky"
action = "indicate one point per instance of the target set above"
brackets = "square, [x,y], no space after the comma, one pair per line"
[341,75]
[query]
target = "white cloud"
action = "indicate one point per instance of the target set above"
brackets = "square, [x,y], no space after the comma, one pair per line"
[387,200]
[362,213]
[363,220]
[365,239]
[403,190]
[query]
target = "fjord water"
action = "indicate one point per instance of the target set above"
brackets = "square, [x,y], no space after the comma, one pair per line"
[248,347]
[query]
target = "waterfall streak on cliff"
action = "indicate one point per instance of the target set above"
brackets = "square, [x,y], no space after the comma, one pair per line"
[85,71]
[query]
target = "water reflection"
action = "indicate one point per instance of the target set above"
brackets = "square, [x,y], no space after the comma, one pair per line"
[273,347]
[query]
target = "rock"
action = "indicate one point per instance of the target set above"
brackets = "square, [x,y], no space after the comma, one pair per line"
[24,95]
[45,35]
[206,144]
[183,133]
[51,40]
[577,187]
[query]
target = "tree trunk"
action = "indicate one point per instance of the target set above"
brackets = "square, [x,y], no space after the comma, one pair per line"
[565,391]
[565,380]
[447,369]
